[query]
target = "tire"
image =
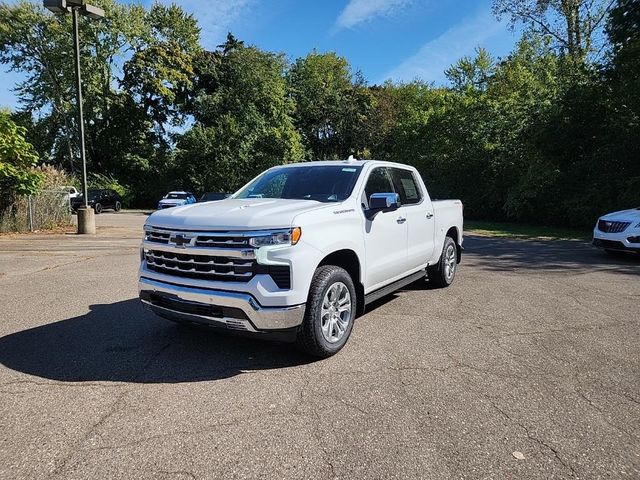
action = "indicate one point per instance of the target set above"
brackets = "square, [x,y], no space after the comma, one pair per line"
[329,289]
[443,273]
[118,206]
[98,208]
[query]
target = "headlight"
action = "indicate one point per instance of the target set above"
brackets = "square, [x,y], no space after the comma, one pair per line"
[290,237]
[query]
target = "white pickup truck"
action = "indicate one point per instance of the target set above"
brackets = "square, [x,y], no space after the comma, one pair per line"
[298,252]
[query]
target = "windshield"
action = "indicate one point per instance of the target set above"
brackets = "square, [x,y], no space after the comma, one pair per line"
[323,183]
[178,196]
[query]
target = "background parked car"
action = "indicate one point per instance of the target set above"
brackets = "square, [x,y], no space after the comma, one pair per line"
[72,191]
[174,199]
[212,196]
[618,231]
[99,200]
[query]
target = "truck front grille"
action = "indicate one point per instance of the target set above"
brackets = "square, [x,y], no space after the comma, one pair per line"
[612,227]
[200,266]
[172,256]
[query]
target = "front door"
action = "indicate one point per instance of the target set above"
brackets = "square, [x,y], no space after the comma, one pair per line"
[385,236]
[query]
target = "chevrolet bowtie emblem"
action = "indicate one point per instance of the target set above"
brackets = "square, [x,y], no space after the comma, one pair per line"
[179,240]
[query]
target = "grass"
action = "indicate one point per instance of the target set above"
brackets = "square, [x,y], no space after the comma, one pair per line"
[517,230]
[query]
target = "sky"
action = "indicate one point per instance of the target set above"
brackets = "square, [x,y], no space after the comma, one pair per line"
[400,40]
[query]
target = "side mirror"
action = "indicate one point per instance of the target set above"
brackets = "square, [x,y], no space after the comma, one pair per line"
[382,202]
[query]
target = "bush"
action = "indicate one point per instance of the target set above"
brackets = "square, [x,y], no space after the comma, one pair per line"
[47,209]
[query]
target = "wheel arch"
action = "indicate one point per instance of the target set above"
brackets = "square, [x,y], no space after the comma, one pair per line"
[455,235]
[348,259]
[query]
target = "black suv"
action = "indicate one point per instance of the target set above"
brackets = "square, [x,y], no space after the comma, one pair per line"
[99,200]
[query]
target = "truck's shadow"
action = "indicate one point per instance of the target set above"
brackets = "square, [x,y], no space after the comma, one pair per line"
[122,342]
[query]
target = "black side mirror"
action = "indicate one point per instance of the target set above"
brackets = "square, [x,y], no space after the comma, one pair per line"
[382,202]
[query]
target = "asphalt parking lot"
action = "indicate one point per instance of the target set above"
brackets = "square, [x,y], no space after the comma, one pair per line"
[527,367]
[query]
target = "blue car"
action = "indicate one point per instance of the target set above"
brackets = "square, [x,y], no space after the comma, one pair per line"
[174,199]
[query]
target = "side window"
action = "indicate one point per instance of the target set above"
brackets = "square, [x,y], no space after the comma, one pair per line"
[378,182]
[406,186]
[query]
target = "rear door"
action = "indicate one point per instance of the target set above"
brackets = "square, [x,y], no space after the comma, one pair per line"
[417,209]
[385,236]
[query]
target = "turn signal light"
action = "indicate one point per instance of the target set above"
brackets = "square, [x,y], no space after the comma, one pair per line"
[296,233]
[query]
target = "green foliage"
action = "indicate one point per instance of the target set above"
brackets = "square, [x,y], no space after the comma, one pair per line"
[574,26]
[136,70]
[101,181]
[471,73]
[242,117]
[332,105]
[548,134]
[17,159]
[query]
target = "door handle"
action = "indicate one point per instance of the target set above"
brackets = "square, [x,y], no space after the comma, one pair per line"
[401,220]
[429,215]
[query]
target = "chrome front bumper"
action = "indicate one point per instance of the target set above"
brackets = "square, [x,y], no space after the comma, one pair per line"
[231,310]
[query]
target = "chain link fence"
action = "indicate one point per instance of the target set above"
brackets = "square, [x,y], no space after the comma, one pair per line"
[49,209]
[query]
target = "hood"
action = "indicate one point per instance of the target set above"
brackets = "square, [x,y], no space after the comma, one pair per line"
[234,214]
[632,215]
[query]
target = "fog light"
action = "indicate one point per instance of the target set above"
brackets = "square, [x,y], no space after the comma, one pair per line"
[633,239]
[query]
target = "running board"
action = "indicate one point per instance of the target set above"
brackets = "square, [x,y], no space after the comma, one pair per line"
[392,287]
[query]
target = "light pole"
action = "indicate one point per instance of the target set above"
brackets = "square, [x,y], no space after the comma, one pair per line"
[86,219]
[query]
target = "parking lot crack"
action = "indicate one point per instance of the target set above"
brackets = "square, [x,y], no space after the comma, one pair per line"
[60,265]
[532,437]
[113,409]
[318,438]
[151,438]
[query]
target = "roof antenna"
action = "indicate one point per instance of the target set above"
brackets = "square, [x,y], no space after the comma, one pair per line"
[351,158]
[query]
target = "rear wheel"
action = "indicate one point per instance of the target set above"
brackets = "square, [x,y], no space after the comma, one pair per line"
[443,273]
[331,310]
[98,208]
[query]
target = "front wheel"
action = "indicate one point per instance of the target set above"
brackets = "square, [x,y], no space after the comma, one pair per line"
[443,273]
[118,206]
[331,310]
[98,208]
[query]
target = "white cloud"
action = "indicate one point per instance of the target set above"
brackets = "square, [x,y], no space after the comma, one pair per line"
[433,58]
[359,11]
[215,17]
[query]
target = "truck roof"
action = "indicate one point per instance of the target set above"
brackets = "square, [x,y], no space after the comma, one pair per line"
[341,162]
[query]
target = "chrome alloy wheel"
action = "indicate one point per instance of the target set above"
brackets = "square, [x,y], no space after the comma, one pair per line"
[335,314]
[450,262]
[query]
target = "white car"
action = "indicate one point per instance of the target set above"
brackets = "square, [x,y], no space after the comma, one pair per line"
[174,199]
[618,231]
[72,191]
[299,251]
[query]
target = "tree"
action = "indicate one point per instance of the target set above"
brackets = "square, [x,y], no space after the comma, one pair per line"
[40,44]
[242,115]
[574,25]
[471,73]
[332,105]
[622,76]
